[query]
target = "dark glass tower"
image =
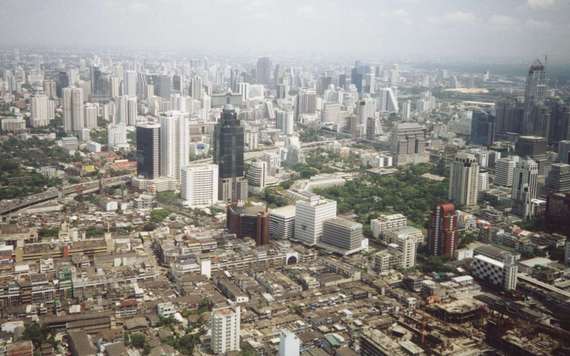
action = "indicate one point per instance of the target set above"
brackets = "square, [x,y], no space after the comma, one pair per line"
[482,128]
[229,144]
[148,151]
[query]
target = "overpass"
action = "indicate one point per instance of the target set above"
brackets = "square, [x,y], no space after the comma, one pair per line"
[11,206]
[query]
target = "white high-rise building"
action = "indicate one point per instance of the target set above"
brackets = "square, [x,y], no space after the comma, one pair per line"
[199,185]
[282,222]
[407,246]
[196,87]
[464,180]
[116,135]
[130,83]
[174,143]
[310,217]
[511,270]
[387,101]
[121,107]
[504,169]
[524,187]
[406,110]
[91,112]
[257,175]
[132,111]
[115,87]
[73,109]
[386,223]
[285,121]
[225,327]
[40,111]
[289,343]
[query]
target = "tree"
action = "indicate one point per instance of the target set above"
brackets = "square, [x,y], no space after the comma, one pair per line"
[137,340]
[158,215]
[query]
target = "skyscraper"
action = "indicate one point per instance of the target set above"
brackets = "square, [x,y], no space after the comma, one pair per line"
[482,128]
[199,185]
[39,116]
[310,217]
[73,109]
[263,70]
[387,100]
[524,187]
[174,143]
[148,151]
[196,85]
[132,111]
[225,326]
[464,180]
[442,233]
[130,83]
[535,91]
[91,112]
[289,343]
[409,144]
[504,170]
[229,138]
[558,179]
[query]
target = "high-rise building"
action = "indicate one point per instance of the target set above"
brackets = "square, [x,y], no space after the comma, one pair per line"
[464,180]
[535,91]
[73,109]
[306,102]
[257,175]
[174,144]
[504,170]
[387,101]
[409,144]
[122,110]
[116,136]
[196,87]
[229,137]
[289,344]
[310,217]
[406,110]
[130,83]
[524,187]
[558,179]
[285,121]
[557,213]
[510,274]
[40,110]
[91,113]
[342,236]
[282,222]
[564,151]
[132,111]
[250,221]
[385,223]
[502,274]
[264,69]
[148,151]
[225,327]
[482,128]
[442,233]
[199,185]
[50,88]
[407,241]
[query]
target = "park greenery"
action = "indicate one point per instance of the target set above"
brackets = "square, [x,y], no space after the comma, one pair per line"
[406,192]
[158,215]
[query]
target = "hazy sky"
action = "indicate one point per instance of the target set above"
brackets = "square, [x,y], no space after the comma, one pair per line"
[463,29]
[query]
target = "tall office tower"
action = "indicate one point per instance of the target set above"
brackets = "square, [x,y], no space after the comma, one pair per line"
[344,236]
[524,187]
[442,233]
[331,113]
[179,84]
[73,109]
[62,81]
[510,272]
[373,128]
[482,128]
[130,83]
[409,144]
[306,102]
[148,150]
[285,121]
[235,79]
[50,88]
[559,124]
[406,110]
[464,180]
[510,115]
[558,180]
[51,110]
[263,70]
[40,110]
[564,151]
[121,110]
[310,217]
[395,75]
[407,244]
[142,86]
[91,113]
[282,222]
[114,87]
[199,185]
[257,176]
[356,78]
[225,327]
[116,135]
[97,82]
[289,344]
[132,111]
[196,87]
[229,142]
[535,91]
[163,85]
[535,148]
[387,100]
[174,143]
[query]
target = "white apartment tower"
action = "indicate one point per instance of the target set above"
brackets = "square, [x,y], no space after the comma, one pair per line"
[257,175]
[130,83]
[174,144]
[225,327]
[116,135]
[310,217]
[464,180]
[73,109]
[524,186]
[289,343]
[504,169]
[132,111]
[91,112]
[199,185]
[40,109]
